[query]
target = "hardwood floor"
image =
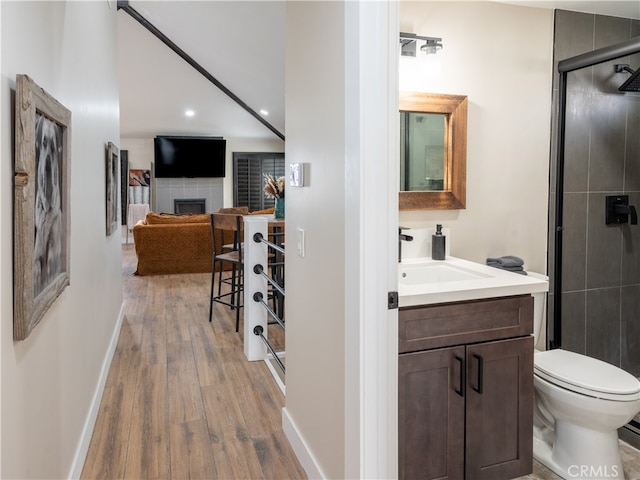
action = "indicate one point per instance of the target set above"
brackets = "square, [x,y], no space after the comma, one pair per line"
[181,401]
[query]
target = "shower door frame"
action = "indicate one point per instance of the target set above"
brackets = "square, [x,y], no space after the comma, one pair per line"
[595,57]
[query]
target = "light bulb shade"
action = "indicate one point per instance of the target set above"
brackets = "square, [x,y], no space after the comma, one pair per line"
[408,42]
[431,46]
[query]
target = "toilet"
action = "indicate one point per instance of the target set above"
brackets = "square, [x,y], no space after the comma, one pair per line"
[580,403]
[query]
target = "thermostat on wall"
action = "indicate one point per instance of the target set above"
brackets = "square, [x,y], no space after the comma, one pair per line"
[296,175]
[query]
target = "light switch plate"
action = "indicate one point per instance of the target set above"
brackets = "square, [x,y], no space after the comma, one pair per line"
[300,242]
[296,175]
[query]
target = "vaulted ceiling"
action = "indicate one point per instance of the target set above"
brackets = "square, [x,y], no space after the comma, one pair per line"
[242,45]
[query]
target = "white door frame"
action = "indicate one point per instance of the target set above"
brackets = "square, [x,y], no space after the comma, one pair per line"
[372,176]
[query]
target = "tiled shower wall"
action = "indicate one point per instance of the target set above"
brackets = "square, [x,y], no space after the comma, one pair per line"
[600,263]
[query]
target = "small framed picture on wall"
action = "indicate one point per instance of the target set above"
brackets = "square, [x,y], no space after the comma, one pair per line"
[111,171]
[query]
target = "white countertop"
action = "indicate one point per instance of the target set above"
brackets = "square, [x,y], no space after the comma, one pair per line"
[482,282]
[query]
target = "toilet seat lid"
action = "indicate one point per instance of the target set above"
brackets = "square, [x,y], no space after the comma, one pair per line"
[585,374]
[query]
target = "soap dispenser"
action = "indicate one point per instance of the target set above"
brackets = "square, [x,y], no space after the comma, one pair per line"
[438,244]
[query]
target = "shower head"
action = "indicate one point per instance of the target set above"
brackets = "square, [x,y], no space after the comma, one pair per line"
[632,84]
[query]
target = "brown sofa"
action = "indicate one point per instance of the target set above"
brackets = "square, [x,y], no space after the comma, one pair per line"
[167,243]
[173,244]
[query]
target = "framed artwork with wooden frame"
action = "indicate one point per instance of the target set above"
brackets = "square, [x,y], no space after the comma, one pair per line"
[41,204]
[112,188]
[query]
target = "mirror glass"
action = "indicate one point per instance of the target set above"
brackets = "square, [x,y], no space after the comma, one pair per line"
[422,155]
[433,151]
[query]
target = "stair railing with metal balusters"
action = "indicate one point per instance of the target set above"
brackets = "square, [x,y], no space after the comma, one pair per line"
[256,286]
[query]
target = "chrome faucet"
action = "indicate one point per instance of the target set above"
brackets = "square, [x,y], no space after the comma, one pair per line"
[401,237]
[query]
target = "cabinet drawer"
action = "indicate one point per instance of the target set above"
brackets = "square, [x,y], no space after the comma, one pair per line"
[447,324]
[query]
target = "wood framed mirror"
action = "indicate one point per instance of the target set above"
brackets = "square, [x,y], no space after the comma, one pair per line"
[433,148]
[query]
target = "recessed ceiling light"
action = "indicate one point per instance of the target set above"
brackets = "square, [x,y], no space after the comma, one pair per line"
[264,112]
[189,113]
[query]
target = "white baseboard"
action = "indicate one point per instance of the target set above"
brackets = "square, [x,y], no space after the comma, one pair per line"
[276,374]
[300,448]
[90,422]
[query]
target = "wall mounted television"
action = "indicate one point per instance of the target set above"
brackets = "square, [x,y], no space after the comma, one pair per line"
[191,157]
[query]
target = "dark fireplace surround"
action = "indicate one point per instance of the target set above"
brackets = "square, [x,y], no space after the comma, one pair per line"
[182,206]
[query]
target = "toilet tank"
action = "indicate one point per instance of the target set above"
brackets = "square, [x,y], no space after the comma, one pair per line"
[539,308]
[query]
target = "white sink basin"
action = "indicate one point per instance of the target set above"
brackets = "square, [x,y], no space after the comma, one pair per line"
[434,272]
[426,281]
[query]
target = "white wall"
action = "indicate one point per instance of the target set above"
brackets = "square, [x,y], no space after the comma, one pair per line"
[50,380]
[315,305]
[140,152]
[500,56]
[341,337]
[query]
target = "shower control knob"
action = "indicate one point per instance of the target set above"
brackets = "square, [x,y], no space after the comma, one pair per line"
[618,210]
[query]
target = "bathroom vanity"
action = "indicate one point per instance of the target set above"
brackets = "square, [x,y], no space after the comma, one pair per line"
[465,371]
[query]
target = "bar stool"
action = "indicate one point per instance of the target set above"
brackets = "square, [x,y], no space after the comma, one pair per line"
[227,229]
[227,247]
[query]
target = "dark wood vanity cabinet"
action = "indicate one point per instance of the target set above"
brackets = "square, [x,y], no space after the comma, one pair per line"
[466,395]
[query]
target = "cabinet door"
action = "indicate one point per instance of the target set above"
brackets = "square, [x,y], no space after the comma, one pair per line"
[431,414]
[499,409]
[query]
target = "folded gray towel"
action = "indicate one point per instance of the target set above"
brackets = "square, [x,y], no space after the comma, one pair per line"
[511,263]
[506,261]
[520,272]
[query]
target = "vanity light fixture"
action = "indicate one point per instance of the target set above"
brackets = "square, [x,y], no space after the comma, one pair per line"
[408,42]
[189,113]
[431,46]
